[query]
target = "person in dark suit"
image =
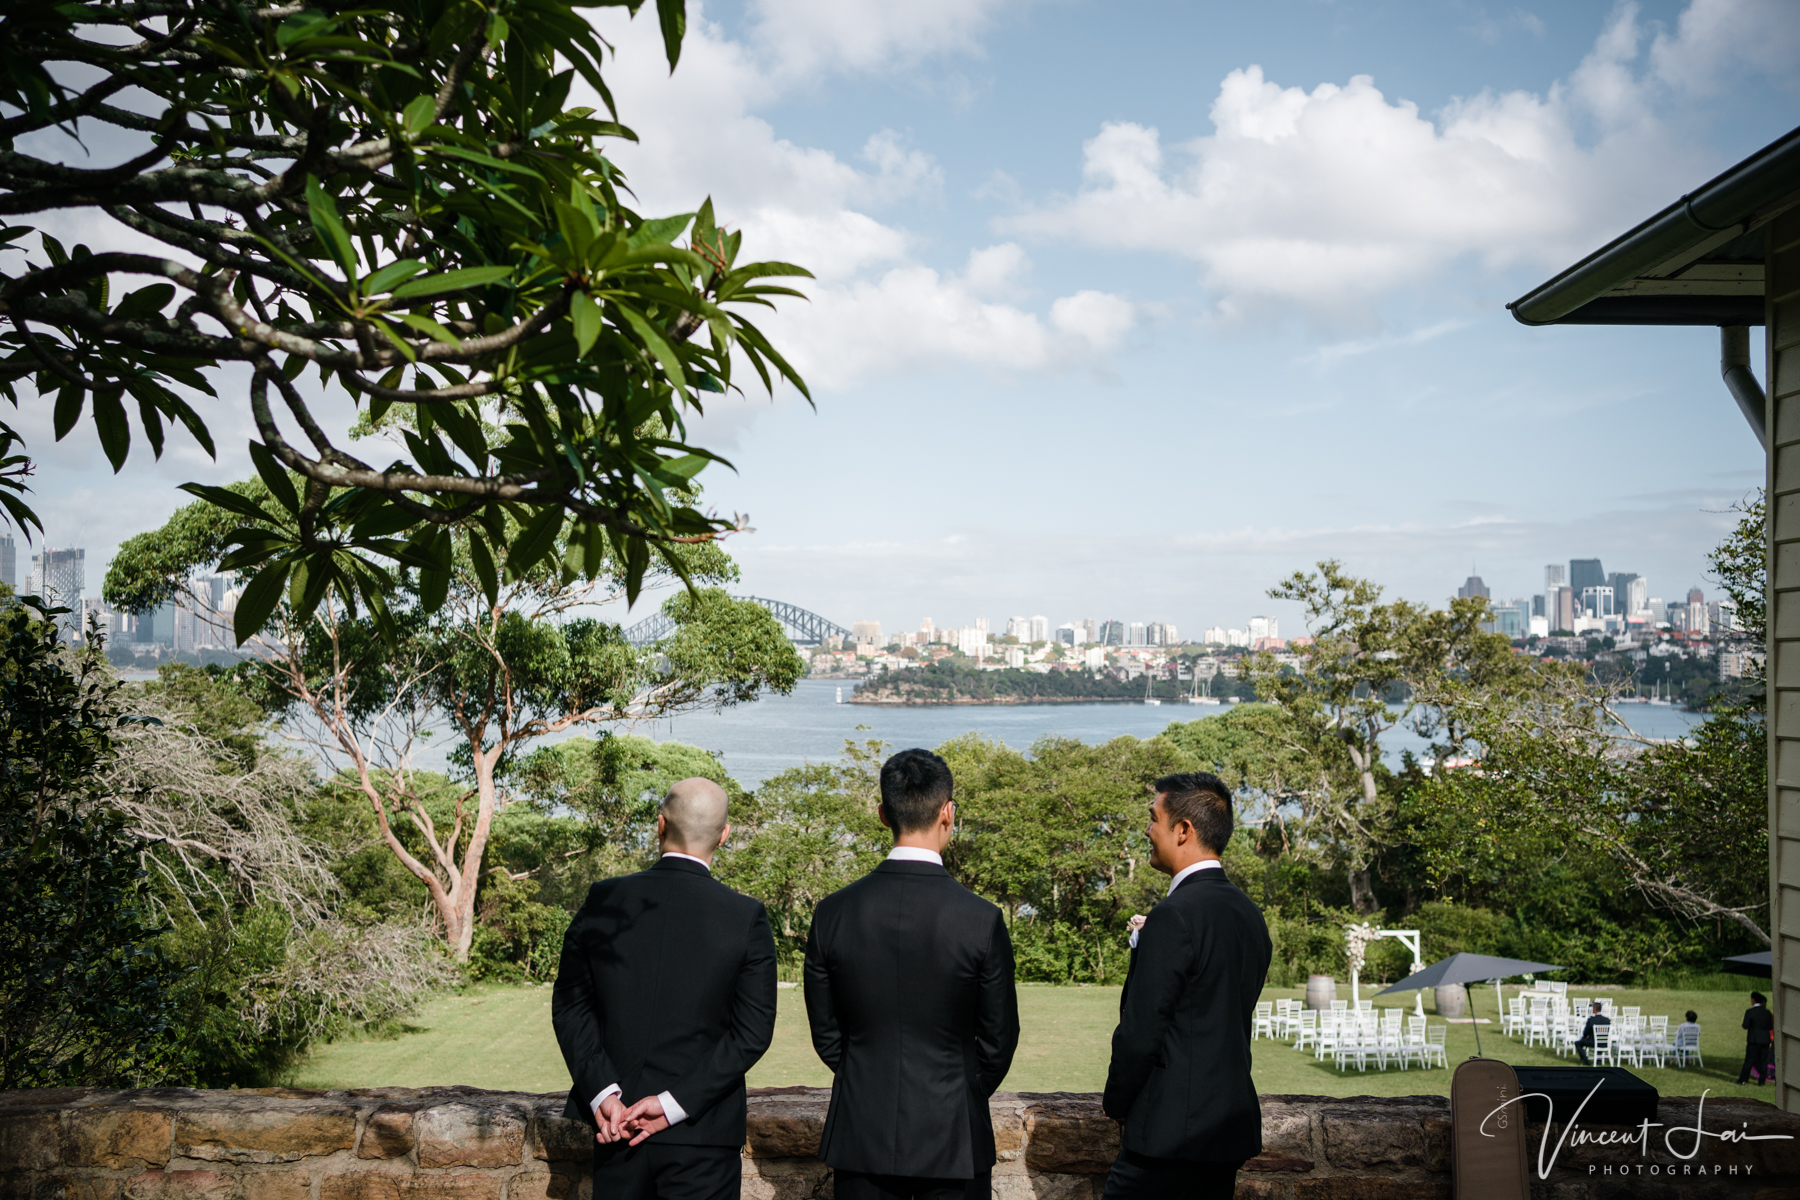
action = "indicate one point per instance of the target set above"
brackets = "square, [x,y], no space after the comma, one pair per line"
[909,990]
[1586,1041]
[1179,1083]
[665,997]
[1759,1034]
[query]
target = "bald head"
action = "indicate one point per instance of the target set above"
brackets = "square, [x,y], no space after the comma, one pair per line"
[692,820]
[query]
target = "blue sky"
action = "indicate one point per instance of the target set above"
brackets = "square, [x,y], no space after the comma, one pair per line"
[1130,309]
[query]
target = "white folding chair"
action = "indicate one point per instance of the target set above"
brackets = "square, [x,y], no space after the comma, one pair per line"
[1306,1029]
[1263,1023]
[1627,1042]
[1603,1047]
[1514,1019]
[1687,1045]
[1434,1045]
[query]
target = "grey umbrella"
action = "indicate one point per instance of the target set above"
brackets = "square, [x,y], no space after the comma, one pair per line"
[1468,968]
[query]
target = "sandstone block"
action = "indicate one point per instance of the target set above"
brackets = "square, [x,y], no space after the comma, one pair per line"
[275,1133]
[1267,1163]
[790,1185]
[383,1185]
[1070,1137]
[30,1141]
[1287,1130]
[181,1185]
[540,1185]
[1006,1111]
[276,1185]
[471,1135]
[389,1134]
[1372,1133]
[785,1127]
[78,1187]
[1370,1187]
[119,1137]
[559,1139]
[1065,1187]
[1259,1189]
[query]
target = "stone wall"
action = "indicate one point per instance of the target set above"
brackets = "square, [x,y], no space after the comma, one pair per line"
[459,1143]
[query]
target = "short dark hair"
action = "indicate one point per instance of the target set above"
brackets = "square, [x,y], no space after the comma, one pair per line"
[1758,998]
[1202,800]
[1692,1016]
[1597,1006]
[915,785]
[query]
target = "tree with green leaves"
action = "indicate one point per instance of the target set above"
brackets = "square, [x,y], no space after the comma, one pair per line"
[496,664]
[398,201]
[86,998]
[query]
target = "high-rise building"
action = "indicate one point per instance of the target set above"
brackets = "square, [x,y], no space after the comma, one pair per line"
[1019,627]
[1040,629]
[9,562]
[1214,636]
[1093,658]
[60,576]
[1631,593]
[1559,609]
[1512,619]
[1112,633]
[1471,588]
[860,631]
[1698,620]
[1134,634]
[1585,573]
[972,642]
[981,624]
[1088,625]
[1072,634]
[1263,627]
[1537,606]
[1554,577]
[1236,637]
[1597,601]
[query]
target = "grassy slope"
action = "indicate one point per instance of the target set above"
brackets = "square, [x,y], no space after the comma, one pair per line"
[499,1037]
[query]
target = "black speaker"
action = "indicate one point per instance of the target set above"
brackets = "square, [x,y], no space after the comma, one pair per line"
[1620,1099]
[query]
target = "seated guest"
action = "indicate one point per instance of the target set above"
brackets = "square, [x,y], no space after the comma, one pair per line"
[1688,1030]
[1587,1034]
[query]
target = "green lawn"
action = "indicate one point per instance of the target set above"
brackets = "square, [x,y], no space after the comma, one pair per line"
[499,1037]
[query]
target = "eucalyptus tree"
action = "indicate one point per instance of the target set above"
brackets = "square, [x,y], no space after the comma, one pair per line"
[496,670]
[396,200]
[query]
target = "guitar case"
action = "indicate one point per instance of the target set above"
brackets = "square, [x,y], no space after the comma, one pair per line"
[1487,1147]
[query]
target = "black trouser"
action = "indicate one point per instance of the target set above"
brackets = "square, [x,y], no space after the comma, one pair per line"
[1581,1049]
[1756,1058]
[860,1185]
[659,1171]
[1140,1177]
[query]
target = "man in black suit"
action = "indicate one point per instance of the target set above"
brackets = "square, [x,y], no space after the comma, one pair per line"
[909,989]
[1180,1080]
[1586,1041]
[664,999]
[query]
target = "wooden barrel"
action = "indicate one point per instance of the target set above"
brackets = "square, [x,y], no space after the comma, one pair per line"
[1321,990]
[1453,1001]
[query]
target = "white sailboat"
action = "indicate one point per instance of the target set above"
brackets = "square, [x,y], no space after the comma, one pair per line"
[840,698]
[1149,682]
[1196,696]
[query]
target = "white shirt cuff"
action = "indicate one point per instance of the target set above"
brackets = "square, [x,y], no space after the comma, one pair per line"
[673,1111]
[597,1101]
[1134,934]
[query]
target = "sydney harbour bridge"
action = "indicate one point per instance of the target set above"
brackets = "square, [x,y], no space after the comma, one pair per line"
[805,628]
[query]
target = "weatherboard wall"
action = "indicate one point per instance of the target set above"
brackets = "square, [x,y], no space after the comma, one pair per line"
[1783,375]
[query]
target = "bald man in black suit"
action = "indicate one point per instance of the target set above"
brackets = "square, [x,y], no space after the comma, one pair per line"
[664,999]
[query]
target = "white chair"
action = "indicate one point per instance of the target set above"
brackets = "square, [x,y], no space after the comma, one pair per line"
[1604,1054]
[1434,1045]
[1340,1005]
[1537,1027]
[1570,1029]
[1263,1023]
[1654,1043]
[1351,1049]
[1687,1045]
[1631,1010]
[1331,1028]
[1627,1042]
[1514,1020]
[1306,1029]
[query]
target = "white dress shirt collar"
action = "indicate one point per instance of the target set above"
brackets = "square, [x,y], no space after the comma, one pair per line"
[915,854]
[1211,863]
[689,857]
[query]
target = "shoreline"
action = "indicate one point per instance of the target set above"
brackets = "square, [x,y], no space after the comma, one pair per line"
[1002,702]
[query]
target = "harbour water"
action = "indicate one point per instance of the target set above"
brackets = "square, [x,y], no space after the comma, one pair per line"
[758,740]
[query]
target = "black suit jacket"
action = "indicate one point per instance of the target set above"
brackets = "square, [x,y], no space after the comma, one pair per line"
[909,988]
[1759,1022]
[667,983]
[1180,1075]
[1587,1030]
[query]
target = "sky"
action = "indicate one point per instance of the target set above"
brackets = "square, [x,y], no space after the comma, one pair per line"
[1132,309]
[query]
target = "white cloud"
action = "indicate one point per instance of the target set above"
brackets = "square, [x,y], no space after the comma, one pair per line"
[1323,200]
[875,308]
[808,38]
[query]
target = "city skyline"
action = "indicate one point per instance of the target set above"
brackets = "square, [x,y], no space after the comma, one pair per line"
[1130,396]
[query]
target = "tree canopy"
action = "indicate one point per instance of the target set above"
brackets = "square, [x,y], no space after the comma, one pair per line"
[399,201]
